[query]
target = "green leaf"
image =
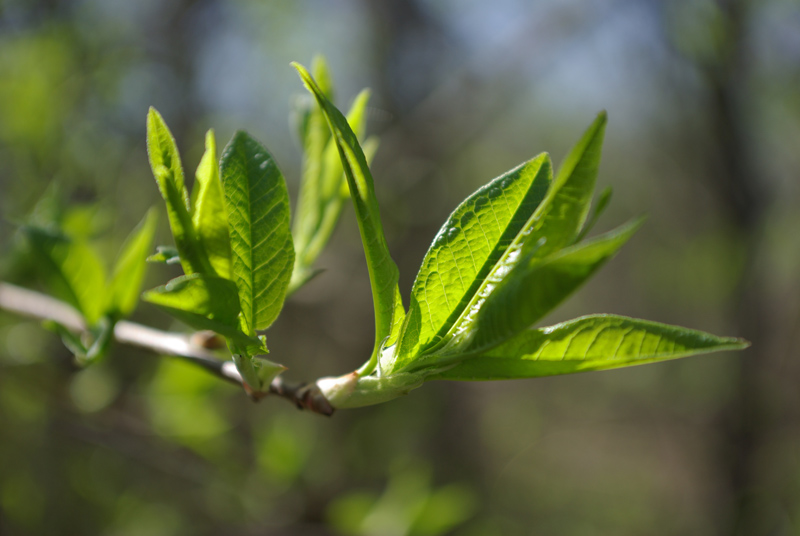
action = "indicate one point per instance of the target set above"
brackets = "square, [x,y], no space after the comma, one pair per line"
[257,204]
[602,203]
[72,269]
[126,281]
[595,342]
[209,217]
[165,255]
[202,301]
[563,212]
[530,290]
[323,192]
[465,250]
[168,172]
[383,271]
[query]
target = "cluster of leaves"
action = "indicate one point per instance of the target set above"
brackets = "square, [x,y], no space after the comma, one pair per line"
[507,255]
[74,270]
[233,237]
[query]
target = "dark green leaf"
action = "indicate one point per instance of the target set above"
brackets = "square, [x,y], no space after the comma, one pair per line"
[593,342]
[257,203]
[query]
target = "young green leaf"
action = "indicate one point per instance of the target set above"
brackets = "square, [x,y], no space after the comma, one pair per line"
[72,269]
[201,301]
[257,204]
[323,192]
[383,271]
[602,203]
[563,212]
[126,281]
[595,342]
[465,250]
[315,137]
[209,216]
[530,290]
[168,172]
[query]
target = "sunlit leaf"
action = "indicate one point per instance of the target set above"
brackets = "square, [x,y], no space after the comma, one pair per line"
[168,172]
[209,217]
[257,204]
[530,290]
[593,342]
[201,301]
[323,192]
[465,250]
[600,206]
[126,281]
[561,215]
[382,269]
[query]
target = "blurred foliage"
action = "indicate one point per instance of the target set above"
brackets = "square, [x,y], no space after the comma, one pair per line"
[462,91]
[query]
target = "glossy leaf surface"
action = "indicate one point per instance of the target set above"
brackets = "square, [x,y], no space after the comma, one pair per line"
[465,250]
[209,217]
[262,253]
[530,290]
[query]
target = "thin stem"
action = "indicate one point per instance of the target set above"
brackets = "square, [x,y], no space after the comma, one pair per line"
[187,347]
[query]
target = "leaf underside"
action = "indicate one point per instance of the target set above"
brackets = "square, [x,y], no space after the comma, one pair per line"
[594,342]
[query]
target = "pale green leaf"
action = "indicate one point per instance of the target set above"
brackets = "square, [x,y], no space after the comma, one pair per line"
[323,192]
[466,249]
[262,253]
[382,269]
[562,214]
[531,289]
[168,172]
[72,269]
[126,281]
[202,301]
[209,217]
[593,342]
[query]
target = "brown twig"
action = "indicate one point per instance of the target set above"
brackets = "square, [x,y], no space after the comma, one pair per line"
[41,307]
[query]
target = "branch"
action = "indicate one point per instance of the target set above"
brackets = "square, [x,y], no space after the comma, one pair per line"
[187,347]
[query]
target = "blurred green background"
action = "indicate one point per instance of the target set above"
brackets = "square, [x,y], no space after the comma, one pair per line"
[704,136]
